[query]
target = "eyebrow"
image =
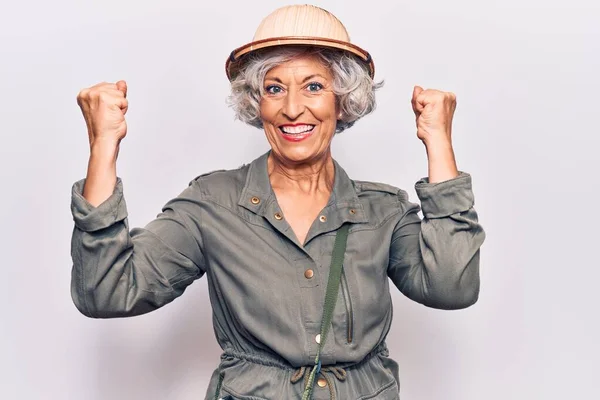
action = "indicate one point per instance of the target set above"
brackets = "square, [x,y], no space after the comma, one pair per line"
[276,79]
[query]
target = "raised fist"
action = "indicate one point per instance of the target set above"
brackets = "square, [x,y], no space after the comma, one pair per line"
[434,111]
[104,106]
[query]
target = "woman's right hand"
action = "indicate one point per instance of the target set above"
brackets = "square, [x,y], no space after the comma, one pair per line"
[104,106]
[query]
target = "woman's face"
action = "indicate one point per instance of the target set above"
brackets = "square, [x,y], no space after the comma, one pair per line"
[298,110]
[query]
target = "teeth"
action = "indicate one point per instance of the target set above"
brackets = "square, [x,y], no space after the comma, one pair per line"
[297,129]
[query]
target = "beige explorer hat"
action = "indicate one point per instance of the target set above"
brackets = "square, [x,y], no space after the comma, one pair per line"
[298,25]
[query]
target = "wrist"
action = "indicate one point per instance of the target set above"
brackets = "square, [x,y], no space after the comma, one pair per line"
[438,146]
[104,148]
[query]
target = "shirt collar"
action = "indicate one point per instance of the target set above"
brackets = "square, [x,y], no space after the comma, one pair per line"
[343,204]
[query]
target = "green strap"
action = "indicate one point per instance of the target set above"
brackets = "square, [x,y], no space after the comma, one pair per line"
[219,384]
[333,285]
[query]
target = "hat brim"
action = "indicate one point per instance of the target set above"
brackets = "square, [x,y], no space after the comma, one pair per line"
[235,60]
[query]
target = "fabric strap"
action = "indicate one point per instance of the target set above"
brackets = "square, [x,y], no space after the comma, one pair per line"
[333,285]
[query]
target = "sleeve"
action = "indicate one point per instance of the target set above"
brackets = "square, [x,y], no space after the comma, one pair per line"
[119,273]
[435,261]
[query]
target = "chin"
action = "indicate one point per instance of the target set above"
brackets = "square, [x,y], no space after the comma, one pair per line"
[298,155]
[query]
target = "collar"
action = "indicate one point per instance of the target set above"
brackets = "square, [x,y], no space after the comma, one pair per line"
[343,205]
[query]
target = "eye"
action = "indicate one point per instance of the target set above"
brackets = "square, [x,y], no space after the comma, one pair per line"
[273,89]
[314,87]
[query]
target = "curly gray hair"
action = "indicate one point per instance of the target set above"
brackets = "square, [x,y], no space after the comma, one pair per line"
[353,87]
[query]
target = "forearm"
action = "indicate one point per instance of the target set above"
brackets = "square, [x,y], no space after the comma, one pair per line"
[102,172]
[441,161]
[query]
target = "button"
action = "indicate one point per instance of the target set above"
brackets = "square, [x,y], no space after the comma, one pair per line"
[278,216]
[318,338]
[255,200]
[309,273]
[322,218]
[352,211]
[322,382]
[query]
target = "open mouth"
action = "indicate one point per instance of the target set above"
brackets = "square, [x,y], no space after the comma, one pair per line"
[296,129]
[296,133]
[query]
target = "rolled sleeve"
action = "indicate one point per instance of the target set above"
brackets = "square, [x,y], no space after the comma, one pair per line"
[119,272]
[439,200]
[435,261]
[89,218]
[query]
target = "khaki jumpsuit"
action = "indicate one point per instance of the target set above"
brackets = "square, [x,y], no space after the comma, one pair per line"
[267,290]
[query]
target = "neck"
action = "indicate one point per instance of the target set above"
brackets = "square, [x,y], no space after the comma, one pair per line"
[308,178]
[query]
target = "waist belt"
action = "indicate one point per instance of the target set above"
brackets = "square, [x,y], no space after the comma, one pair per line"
[303,372]
[335,371]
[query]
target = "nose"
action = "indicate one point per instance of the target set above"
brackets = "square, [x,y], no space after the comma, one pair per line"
[293,106]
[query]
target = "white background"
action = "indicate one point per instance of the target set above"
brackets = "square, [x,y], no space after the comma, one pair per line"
[526,76]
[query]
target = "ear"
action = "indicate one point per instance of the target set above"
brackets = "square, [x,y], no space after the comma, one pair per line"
[338,109]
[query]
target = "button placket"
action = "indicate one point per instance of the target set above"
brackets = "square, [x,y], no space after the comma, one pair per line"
[273,214]
[307,275]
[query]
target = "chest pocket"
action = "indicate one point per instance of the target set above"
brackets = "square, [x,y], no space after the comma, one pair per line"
[363,299]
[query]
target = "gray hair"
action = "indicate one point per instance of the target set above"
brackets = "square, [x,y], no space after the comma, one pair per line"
[352,85]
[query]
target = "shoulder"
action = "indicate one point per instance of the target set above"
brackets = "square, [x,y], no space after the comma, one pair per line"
[379,191]
[223,185]
[223,175]
[382,202]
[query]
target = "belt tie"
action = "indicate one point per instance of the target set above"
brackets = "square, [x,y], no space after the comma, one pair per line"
[304,372]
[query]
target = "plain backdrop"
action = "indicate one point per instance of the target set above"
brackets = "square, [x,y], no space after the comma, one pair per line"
[526,128]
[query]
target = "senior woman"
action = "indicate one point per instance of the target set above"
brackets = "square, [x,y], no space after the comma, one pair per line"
[297,254]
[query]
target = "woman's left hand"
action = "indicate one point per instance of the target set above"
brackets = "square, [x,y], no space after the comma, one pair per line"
[434,111]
